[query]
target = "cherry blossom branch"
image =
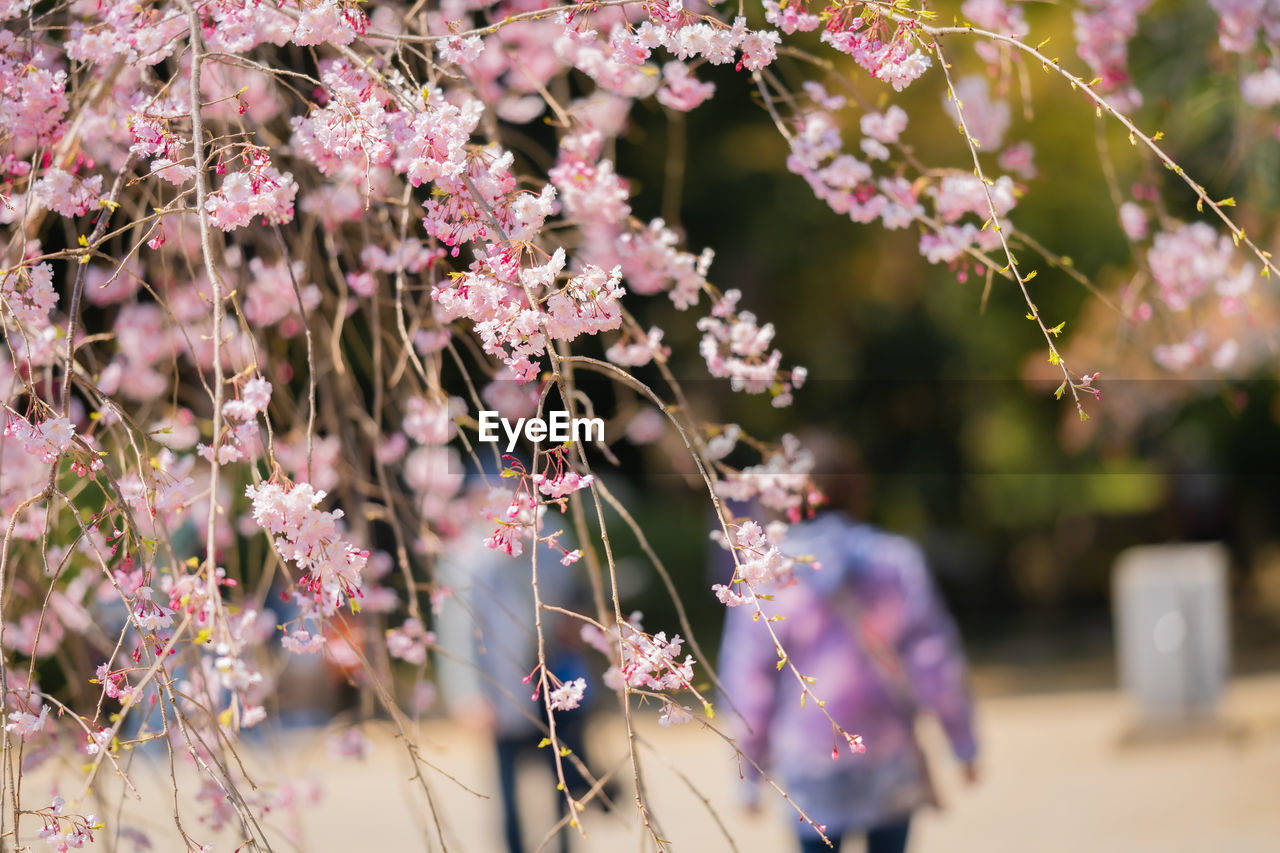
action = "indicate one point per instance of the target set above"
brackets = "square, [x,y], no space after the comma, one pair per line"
[77,289]
[995,224]
[805,682]
[311,356]
[681,615]
[533,15]
[215,285]
[544,677]
[7,784]
[1135,135]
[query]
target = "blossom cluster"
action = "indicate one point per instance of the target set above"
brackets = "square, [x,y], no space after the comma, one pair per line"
[736,347]
[63,830]
[1103,30]
[760,565]
[312,539]
[517,516]
[46,441]
[1242,25]
[780,482]
[896,59]
[568,695]
[28,294]
[241,416]
[641,660]
[259,190]
[409,642]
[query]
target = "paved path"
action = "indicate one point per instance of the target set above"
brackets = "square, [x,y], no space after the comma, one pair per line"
[1059,774]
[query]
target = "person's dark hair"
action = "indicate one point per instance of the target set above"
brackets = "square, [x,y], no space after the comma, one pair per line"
[838,470]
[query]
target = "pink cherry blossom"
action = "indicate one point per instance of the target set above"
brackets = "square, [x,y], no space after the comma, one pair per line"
[568,695]
[680,89]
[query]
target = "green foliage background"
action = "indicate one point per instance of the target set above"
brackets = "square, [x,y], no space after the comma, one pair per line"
[1021,522]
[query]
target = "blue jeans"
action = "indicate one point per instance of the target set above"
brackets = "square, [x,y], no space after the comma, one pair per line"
[570,728]
[889,838]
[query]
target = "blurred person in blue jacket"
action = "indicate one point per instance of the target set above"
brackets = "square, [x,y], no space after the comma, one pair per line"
[487,630]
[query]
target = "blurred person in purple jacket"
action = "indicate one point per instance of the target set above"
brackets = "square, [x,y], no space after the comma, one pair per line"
[866,622]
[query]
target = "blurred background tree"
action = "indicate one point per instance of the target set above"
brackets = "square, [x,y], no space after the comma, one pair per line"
[1021,507]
